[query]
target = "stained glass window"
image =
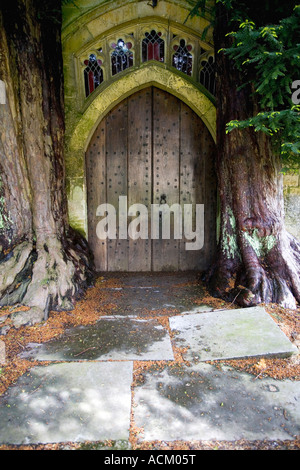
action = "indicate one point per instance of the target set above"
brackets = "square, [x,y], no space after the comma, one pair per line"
[93,74]
[121,57]
[153,47]
[183,59]
[207,74]
[149,43]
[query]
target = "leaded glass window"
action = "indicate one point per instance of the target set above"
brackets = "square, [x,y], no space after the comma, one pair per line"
[93,74]
[146,43]
[121,57]
[153,47]
[207,74]
[183,59]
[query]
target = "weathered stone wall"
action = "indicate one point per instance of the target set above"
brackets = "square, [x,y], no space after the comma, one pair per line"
[291,187]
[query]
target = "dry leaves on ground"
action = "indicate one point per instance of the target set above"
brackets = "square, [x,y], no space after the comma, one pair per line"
[102,300]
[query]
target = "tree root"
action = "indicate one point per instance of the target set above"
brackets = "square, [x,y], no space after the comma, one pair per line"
[50,277]
[13,263]
[273,278]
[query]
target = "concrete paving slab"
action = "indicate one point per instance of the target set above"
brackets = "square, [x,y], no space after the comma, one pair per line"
[111,338]
[203,402]
[230,334]
[68,402]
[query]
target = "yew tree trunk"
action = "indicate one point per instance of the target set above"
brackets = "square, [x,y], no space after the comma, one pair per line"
[43,262]
[257,260]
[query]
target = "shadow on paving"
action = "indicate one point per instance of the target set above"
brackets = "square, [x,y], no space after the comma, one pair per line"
[89,395]
[68,403]
[115,338]
[159,293]
[202,402]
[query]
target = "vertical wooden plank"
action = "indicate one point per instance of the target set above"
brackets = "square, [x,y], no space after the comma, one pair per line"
[192,179]
[149,146]
[165,253]
[139,172]
[116,177]
[96,193]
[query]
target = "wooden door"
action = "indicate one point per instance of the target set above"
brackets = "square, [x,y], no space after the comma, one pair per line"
[151,149]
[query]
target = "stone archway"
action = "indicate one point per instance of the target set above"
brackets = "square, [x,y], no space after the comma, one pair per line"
[149,75]
[151,151]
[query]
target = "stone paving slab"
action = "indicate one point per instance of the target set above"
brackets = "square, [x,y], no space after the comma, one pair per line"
[162,293]
[230,334]
[68,402]
[203,402]
[111,338]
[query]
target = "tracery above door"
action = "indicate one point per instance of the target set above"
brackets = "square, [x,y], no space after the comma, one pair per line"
[131,47]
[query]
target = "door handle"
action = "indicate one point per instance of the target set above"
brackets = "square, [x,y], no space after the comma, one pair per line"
[163,199]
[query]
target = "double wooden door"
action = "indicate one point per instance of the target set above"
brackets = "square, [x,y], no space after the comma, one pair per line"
[153,149]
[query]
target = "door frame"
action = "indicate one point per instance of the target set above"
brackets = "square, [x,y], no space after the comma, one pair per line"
[151,74]
[103,149]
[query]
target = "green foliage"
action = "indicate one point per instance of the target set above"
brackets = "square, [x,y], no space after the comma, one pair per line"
[270,56]
[204,7]
[200,9]
[69,2]
[284,128]
[266,48]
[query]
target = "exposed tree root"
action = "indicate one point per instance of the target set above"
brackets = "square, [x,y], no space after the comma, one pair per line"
[13,263]
[274,277]
[52,276]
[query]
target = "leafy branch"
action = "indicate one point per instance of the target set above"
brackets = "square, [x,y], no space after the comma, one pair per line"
[270,56]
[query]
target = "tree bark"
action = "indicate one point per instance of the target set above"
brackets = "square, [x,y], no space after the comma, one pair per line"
[257,260]
[43,261]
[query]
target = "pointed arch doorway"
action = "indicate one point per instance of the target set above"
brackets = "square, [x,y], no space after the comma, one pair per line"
[153,149]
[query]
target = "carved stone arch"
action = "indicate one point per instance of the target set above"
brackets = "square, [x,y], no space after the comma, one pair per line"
[148,75]
[90,28]
[145,76]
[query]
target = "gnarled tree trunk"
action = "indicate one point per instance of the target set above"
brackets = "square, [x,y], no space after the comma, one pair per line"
[43,262]
[257,261]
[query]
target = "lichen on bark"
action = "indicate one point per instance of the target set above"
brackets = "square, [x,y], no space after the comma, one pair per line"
[261,245]
[257,260]
[44,263]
